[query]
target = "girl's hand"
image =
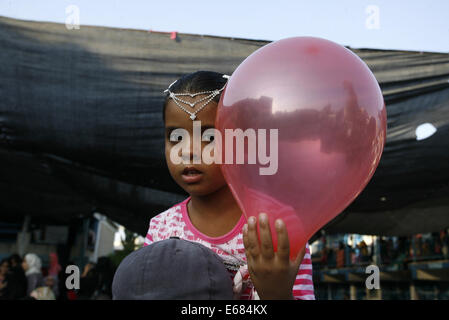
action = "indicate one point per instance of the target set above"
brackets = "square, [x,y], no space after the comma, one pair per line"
[272,273]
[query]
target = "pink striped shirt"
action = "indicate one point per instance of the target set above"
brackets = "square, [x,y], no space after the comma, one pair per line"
[175,222]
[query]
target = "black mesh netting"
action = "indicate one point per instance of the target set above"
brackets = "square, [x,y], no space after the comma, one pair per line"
[81,129]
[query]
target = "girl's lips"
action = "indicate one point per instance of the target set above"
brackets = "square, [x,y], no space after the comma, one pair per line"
[192,178]
[191,175]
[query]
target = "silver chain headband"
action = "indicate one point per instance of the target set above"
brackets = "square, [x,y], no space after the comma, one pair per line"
[211,95]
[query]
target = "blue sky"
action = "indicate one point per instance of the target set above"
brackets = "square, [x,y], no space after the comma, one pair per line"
[405,25]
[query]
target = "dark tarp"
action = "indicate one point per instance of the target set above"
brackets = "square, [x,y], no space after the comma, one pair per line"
[81,129]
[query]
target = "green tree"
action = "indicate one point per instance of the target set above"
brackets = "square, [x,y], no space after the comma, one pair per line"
[129,246]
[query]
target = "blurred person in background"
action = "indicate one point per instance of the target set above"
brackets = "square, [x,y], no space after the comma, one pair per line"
[88,282]
[105,271]
[52,283]
[426,248]
[16,278]
[348,255]
[52,280]
[32,266]
[54,268]
[324,253]
[354,256]
[4,268]
[13,281]
[341,255]
[418,245]
[364,254]
[444,244]
[96,280]
[390,251]
[331,259]
[437,244]
[383,251]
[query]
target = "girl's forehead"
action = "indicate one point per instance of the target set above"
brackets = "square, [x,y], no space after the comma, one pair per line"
[176,117]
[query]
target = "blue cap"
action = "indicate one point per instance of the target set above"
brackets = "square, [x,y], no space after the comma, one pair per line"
[172,269]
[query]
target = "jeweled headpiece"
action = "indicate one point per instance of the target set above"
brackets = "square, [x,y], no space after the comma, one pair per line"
[211,94]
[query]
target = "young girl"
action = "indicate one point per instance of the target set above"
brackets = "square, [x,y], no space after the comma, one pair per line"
[211,216]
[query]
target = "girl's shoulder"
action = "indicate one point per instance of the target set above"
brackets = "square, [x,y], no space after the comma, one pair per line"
[167,223]
[172,213]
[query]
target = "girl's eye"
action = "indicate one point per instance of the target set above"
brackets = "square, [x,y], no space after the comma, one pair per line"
[175,137]
[208,137]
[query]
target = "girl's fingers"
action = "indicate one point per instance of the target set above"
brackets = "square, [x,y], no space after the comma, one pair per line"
[283,252]
[252,244]
[246,243]
[266,244]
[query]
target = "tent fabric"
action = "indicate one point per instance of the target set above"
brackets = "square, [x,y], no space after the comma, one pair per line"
[81,126]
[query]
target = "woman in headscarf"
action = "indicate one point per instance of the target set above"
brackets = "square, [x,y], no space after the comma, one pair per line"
[32,267]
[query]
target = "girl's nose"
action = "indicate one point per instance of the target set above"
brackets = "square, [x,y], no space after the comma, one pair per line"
[192,154]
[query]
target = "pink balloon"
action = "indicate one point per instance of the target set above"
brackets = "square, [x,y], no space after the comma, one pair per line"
[330,118]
